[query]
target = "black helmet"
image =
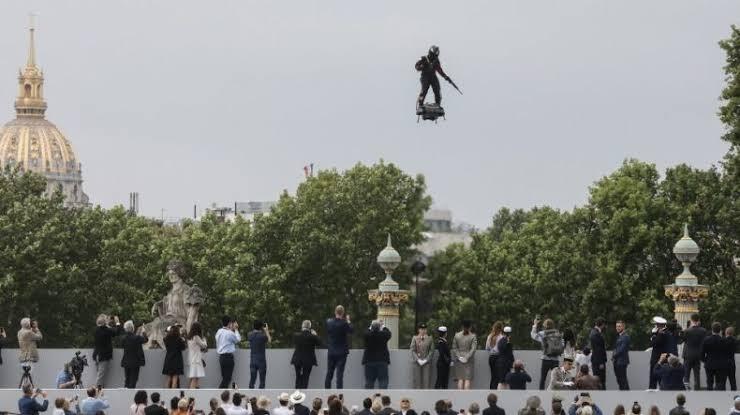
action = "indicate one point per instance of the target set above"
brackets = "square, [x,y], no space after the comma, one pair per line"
[434,50]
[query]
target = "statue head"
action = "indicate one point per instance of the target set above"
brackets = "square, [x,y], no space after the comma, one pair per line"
[175,271]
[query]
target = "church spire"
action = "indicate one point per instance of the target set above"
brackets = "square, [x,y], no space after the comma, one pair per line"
[30,101]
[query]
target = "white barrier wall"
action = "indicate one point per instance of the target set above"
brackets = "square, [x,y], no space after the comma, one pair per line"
[511,401]
[280,374]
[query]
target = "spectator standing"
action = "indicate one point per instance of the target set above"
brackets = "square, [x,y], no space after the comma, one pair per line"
[304,355]
[569,342]
[464,345]
[556,407]
[730,346]
[493,353]
[376,357]
[506,357]
[422,352]
[680,402]
[236,407]
[282,408]
[532,407]
[693,338]
[367,403]
[670,371]
[156,407]
[658,344]
[296,400]
[598,350]
[714,359]
[552,346]
[316,406]
[561,378]
[94,402]
[585,381]
[583,357]
[621,356]
[263,406]
[133,354]
[227,337]
[173,366]
[405,408]
[444,359]
[385,400]
[107,328]
[518,379]
[197,345]
[258,339]
[29,405]
[3,342]
[28,337]
[225,400]
[735,410]
[139,405]
[62,406]
[493,408]
[338,330]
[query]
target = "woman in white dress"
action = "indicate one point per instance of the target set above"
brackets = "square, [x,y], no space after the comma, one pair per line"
[196,346]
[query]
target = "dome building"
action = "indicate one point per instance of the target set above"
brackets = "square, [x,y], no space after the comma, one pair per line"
[34,144]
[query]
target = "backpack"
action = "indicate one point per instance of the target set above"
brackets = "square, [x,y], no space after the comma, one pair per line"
[552,343]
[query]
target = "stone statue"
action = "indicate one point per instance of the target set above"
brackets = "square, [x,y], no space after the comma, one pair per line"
[180,306]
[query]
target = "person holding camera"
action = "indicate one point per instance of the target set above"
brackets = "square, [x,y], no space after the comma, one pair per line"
[552,343]
[107,328]
[304,355]
[94,401]
[65,379]
[28,337]
[29,405]
[62,406]
[258,340]
[670,371]
[376,357]
[584,405]
[174,366]
[133,354]
[227,337]
[337,331]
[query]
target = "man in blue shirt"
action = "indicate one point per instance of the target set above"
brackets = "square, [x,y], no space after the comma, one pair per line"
[227,337]
[621,357]
[94,402]
[258,339]
[65,380]
[337,329]
[28,405]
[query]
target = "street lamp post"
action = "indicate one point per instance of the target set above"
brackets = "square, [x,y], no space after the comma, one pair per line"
[417,268]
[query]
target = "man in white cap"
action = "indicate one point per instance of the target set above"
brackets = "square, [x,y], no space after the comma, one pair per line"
[296,400]
[658,342]
[282,408]
[444,359]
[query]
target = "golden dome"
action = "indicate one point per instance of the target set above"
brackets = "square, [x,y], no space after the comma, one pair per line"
[35,144]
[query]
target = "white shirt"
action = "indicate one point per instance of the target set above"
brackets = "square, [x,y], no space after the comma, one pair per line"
[281,410]
[236,410]
[581,359]
[226,340]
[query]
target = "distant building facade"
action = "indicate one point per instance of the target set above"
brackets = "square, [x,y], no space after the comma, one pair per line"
[441,232]
[246,210]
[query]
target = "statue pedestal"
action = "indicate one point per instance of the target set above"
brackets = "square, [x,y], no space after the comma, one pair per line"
[389,305]
[686,299]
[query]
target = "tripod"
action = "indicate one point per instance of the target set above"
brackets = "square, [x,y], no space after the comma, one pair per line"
[26,377]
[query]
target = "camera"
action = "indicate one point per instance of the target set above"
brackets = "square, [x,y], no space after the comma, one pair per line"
[77,366]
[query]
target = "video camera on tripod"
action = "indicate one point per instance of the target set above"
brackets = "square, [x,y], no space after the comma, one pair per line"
[77,366]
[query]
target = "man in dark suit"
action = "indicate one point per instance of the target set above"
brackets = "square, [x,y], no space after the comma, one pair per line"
[713,357]
[367,403]
[387,409]
[376,357]
[693,338]
[304,356]
[658,343]
[337,331]
[107,328]
[730,346]
[296,399]
[493,408]
[598,350]
[133,354]
[621,356]
[406,407]
[156,407]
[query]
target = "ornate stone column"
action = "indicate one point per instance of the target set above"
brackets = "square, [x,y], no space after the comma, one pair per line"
[686,291]
[388,297]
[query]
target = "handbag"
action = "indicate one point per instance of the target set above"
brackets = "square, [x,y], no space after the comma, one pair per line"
[204,362]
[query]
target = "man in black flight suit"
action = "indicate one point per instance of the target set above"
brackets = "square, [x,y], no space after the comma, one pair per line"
[428,66]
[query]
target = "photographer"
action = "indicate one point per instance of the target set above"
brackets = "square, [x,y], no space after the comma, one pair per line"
[28,336]
[376,357]
[28,405]
[94,402]
[103,353]
[133,354]
[227,337]
[582,401]
[670,371]
[65,379]
[62,406]
[258,339]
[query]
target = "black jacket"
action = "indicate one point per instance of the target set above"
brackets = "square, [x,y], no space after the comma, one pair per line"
[305,349]
[505,353]
[155,409]
[494,410]
[517,380]
[133,350]
[444,357]
[712,352]
[693,338]
[729,347]
[658,343]
[376,346]
[299,409]
[671,378]
[104,342]
[598,348]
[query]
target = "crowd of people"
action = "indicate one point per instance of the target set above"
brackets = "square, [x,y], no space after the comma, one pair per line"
[565,362]
[233,402]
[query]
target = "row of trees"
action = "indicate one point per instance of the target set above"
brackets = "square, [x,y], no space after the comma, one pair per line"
[317,249]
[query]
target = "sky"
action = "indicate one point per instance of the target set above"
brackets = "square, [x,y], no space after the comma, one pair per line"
[191,103]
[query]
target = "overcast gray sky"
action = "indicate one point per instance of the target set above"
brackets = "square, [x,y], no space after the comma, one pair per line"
[199,102]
